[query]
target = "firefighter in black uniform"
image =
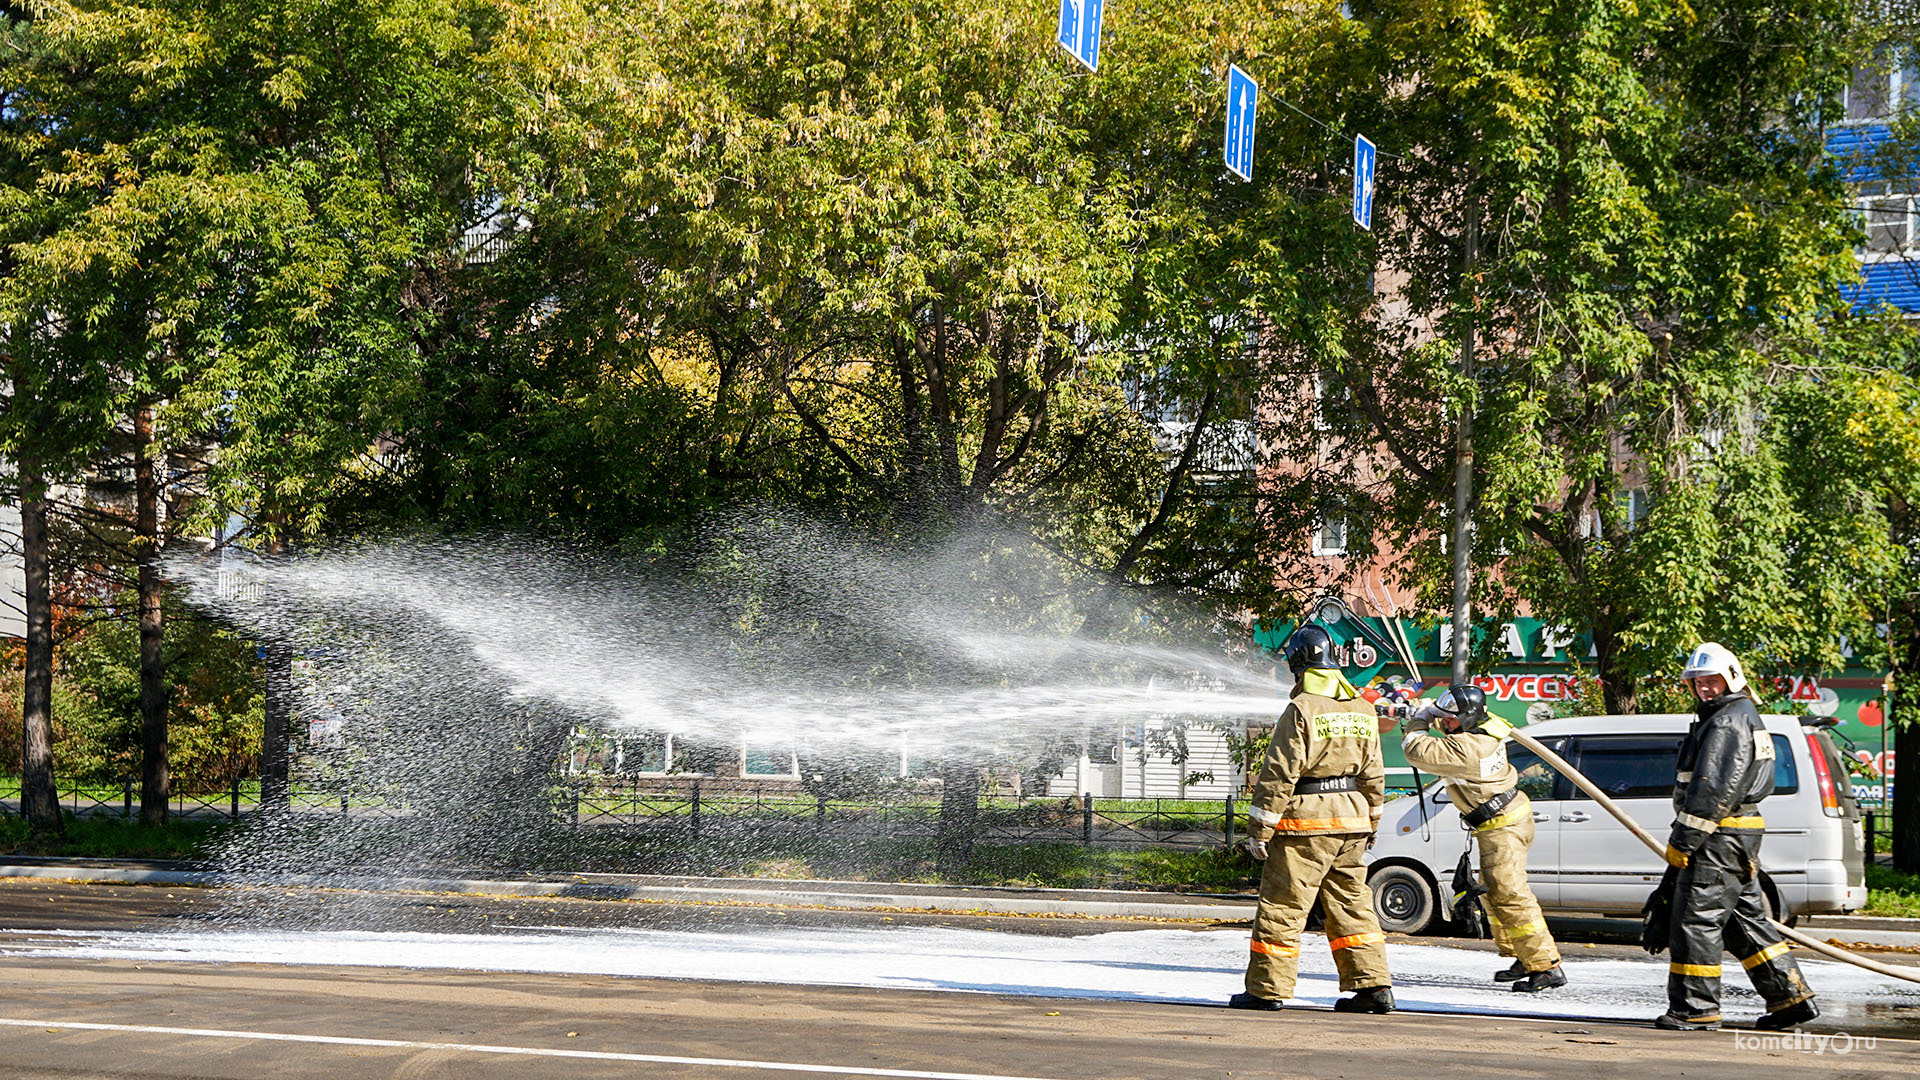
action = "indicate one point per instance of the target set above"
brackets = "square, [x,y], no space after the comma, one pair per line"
[1724,770]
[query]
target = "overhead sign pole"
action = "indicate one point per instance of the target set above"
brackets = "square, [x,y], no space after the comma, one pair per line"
[1243,96]
[1080,31]
[1363,171]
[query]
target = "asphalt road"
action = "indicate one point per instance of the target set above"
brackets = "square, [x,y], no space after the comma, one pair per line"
[63,1016]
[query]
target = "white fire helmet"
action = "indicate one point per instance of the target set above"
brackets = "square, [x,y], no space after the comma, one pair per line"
[1712,658]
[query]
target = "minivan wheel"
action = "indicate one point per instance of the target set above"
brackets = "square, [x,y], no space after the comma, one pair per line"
[1403,901]
[1774,905]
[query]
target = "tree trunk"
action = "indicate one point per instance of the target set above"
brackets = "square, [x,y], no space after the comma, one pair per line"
[156,782]
[1903,708]
[39,802]
[959,813]
[1618,687]
[276,793]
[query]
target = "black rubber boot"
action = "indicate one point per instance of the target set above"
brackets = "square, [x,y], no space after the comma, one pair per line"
[1670,1022]
[1517,971]
[1536,981]
[1248,1001]
[1792,1016]
[1372,999]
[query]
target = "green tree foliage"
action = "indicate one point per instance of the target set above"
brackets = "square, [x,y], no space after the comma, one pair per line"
[889,258]
[1657,232]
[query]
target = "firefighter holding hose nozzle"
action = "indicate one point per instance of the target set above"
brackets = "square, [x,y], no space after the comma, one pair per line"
[1315,807]
[1710,897]
[1470,754]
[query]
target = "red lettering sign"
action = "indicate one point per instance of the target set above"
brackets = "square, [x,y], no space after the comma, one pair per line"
[1529,687]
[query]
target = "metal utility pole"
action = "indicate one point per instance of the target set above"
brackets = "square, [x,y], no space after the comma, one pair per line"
[1463,467]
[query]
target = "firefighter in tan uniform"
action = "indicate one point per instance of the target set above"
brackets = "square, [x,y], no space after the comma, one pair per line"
[1469,754]
[1314,809]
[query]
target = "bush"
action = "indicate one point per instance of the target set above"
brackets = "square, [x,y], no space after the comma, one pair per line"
[214,715]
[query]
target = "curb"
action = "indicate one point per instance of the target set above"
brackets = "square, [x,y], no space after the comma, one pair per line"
[839,895]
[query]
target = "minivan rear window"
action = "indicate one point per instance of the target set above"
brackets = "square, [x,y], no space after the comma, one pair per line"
[1628,766]
[1786,776]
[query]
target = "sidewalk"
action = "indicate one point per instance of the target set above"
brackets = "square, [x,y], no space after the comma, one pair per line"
[847,895]
[852,895]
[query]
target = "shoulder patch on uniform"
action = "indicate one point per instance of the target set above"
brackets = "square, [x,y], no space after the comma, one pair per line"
[1763,745]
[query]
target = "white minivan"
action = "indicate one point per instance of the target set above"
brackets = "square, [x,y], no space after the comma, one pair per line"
[1584,862]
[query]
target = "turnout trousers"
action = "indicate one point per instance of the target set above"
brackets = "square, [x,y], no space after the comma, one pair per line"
[1513,913]
[1300,869]
[1717,901]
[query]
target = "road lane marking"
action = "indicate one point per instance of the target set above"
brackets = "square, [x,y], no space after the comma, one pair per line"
[519,1051]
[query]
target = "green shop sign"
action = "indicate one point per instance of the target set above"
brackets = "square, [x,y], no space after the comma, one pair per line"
[1537,670]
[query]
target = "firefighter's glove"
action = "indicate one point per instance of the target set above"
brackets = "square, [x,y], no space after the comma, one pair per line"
[1656,916]
[1257,849]
[1495,727]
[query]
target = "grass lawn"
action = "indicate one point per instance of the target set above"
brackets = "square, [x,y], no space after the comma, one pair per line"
[1891,892]
[114,837]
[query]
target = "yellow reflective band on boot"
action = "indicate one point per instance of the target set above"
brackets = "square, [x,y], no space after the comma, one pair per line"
[1698,971]
[1754,822]
[1274,950]
[1348,942]
[1765,955]
[1676,858]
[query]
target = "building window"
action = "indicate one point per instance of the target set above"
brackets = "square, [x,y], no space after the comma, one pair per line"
[644,752]
[1887,219]
[694,757]
[1882,88]
[767,759]
[1330,537]
[1330,400]
[1637,503]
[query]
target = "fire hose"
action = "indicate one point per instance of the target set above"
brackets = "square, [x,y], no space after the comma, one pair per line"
[1833,952]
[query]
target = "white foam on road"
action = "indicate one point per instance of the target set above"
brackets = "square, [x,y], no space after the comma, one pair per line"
[1146,965]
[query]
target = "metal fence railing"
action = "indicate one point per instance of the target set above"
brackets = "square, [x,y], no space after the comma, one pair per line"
[234,800]
[697,808]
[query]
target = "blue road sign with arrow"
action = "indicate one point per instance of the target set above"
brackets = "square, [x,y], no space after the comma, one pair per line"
[1242,99]
[1080,31]
[1363,160]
